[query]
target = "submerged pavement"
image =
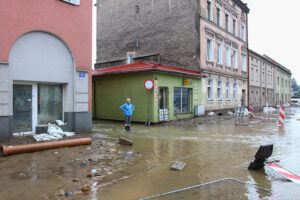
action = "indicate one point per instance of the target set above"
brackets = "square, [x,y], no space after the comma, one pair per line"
[211,150]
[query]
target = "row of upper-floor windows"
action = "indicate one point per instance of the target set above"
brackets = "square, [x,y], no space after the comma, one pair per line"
[231,55]
[284,83]
[254,77]
[220,92]
[228,20]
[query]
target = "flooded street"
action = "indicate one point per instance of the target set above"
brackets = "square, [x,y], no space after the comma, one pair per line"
[212,150]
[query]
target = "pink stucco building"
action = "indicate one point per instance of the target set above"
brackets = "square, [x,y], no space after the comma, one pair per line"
[45,64]
[224,57]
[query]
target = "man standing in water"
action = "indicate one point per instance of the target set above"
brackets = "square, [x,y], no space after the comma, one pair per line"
[127,108]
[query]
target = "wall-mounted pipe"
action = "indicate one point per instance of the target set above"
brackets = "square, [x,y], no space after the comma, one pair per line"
[27,148]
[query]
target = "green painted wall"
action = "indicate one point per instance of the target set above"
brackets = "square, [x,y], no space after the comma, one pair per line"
[170,81]
[110,93]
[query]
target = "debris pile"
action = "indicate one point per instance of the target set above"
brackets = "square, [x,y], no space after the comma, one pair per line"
[211,114]
[268,109]
[54,132]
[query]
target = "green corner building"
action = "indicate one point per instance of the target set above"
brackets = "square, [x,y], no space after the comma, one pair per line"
[175,93]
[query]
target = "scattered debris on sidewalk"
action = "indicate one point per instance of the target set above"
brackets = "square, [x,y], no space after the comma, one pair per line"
[54,132]
[178,165]
[125,141]
[229,113]
[59,123]
[211,114]
[268,109]
[86,188]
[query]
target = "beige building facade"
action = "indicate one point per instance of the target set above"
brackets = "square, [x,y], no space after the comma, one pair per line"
[282,83]
[224,53]
[261,81]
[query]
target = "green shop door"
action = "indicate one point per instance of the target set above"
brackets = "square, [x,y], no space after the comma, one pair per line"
[22,108]
[163,104]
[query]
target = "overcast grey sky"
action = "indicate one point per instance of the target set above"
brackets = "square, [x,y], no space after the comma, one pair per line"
[274,30]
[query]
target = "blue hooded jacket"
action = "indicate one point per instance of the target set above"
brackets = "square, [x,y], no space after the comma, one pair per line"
[127,109]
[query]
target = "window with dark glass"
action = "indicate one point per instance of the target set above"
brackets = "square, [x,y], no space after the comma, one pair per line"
[218,17]
[182,100]
[227,22]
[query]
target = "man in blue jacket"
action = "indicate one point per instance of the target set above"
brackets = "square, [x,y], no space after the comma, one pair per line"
[127,108]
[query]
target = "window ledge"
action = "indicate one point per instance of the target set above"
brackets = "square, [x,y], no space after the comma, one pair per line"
[210,62]
[183,113]
[220,65]
[210,101]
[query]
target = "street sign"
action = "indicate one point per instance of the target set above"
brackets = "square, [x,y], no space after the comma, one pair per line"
[148,84]
[81,74]
[187,81]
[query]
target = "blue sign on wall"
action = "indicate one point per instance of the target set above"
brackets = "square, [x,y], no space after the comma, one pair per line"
[81,74]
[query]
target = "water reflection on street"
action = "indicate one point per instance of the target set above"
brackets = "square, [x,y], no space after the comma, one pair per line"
[211,151]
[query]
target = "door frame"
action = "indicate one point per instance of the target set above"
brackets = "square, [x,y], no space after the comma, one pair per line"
[166,102]
[33,106]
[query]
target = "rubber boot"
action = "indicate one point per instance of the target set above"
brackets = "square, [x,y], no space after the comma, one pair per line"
[128,129]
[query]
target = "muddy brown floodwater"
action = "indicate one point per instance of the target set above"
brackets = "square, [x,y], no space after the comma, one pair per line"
[212,150]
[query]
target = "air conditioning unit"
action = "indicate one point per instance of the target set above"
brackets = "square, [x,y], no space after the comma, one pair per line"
[199,110]
[74,2]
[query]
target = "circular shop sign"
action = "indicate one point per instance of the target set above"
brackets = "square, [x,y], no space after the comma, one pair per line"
[148,84]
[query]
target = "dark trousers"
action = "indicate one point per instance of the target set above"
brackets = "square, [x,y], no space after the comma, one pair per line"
[128,120]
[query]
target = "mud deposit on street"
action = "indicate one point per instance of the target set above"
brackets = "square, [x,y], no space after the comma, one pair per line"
[212,148]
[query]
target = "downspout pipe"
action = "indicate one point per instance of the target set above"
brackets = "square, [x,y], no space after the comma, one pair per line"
[248,92]
[28,148]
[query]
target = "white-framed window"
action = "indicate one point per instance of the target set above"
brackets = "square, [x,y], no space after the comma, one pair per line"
[244,63]
[235,59]
[227,21]
[209,49]
[219,16]
[182,100]
[235,90]
[210,10]
[210,89]
[227,90]
[219,91]
[243,32]
[256,75]
[234,26]
[228,56]
[219,53]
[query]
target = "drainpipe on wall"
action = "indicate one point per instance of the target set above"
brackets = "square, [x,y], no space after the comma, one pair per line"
[248,92]
[94,98]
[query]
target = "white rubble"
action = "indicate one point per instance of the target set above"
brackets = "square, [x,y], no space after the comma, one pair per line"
[246,112]
[211,114]
[268,109]
[59,122]
[229,113]
[54,132]
[286,104]
[44,137]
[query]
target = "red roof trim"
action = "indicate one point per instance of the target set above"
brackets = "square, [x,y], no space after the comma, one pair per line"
[143,67]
